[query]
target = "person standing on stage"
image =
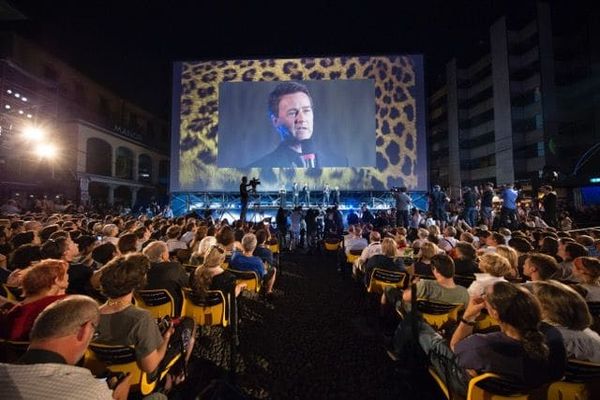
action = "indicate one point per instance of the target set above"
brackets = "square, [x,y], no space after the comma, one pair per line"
[508,212]
[296,193]
[438,200]
[336,195]
[326,193]
[403,202]
[306,193]
[549,204]
[244,198]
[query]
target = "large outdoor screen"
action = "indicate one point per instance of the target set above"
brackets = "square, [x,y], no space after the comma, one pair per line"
[356,123]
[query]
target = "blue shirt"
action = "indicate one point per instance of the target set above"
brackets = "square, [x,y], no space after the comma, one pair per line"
[243,263]
[509,197]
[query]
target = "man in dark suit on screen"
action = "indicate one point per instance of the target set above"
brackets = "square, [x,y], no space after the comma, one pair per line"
[291,113]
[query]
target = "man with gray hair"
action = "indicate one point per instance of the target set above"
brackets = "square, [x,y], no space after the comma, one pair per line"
[59,338]
[246,261]
[165,274]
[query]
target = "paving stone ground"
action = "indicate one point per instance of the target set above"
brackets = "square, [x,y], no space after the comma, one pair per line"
[318,339]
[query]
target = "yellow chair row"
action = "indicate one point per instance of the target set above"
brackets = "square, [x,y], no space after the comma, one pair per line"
[581,382]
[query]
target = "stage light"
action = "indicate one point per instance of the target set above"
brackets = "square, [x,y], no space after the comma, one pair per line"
[8,91]
[7,106]
[24,98]
[21,112]
[29,116]
[17,95]
[33,133]
[46,150]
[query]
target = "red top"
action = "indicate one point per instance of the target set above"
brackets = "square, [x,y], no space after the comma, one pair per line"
[16,324]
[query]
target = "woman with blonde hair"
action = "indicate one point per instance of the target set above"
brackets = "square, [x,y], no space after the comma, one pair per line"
[513,259]
[206,243]
[388,259]
[567,311]
[493,269]
[211,275]
[422,265]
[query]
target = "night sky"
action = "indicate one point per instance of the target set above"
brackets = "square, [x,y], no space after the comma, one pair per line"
[129,45]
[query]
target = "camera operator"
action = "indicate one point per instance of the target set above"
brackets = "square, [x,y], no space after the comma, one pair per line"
[244,197]
[403,202]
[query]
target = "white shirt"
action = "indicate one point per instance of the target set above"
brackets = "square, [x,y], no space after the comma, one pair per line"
[51,382]
[369,251]
[482,282]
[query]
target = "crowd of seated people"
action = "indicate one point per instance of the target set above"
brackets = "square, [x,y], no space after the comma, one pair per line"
[46,259]
[107,258]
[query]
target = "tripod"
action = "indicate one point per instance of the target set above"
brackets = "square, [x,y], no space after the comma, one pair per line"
[257,214]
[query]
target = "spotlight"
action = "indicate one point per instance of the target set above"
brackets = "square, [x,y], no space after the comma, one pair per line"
[7,106]
[17,95]
[29,116]
[46,151]
[33,133]
[24,98]
[21,112]
[8,91]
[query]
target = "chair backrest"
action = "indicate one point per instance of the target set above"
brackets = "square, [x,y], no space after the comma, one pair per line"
[189,268]
[490,386]
[250,278]
[485,323]
[12,293]
[351,258]
[213,309]
[99,357]
[381,278]
[438,314]
[332,244]
[581,382]
[158,301]
[464,280]
[274,248]
[11,350]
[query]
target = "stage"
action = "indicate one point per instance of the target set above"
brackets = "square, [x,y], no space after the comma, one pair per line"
[265,204]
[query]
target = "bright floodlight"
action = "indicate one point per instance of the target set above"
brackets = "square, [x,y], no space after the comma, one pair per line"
[46,150]
[33,133]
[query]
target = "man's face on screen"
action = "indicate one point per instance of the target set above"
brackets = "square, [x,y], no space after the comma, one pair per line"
[295,118]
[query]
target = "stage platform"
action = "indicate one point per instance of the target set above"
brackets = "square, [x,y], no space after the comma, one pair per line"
[265,204]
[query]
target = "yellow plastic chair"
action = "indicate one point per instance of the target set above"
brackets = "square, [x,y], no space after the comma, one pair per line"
[381,279]
[158,301]
[353,255]
[486,386]
[211,310]
[250,278]
[438,314]
[99,357]
[332,244]
[274,248]
[490,386]
[12,350]
[485,323]
[581,382]
[12,293]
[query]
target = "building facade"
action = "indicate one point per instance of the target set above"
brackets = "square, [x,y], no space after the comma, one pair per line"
[528,105]
[108,150]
